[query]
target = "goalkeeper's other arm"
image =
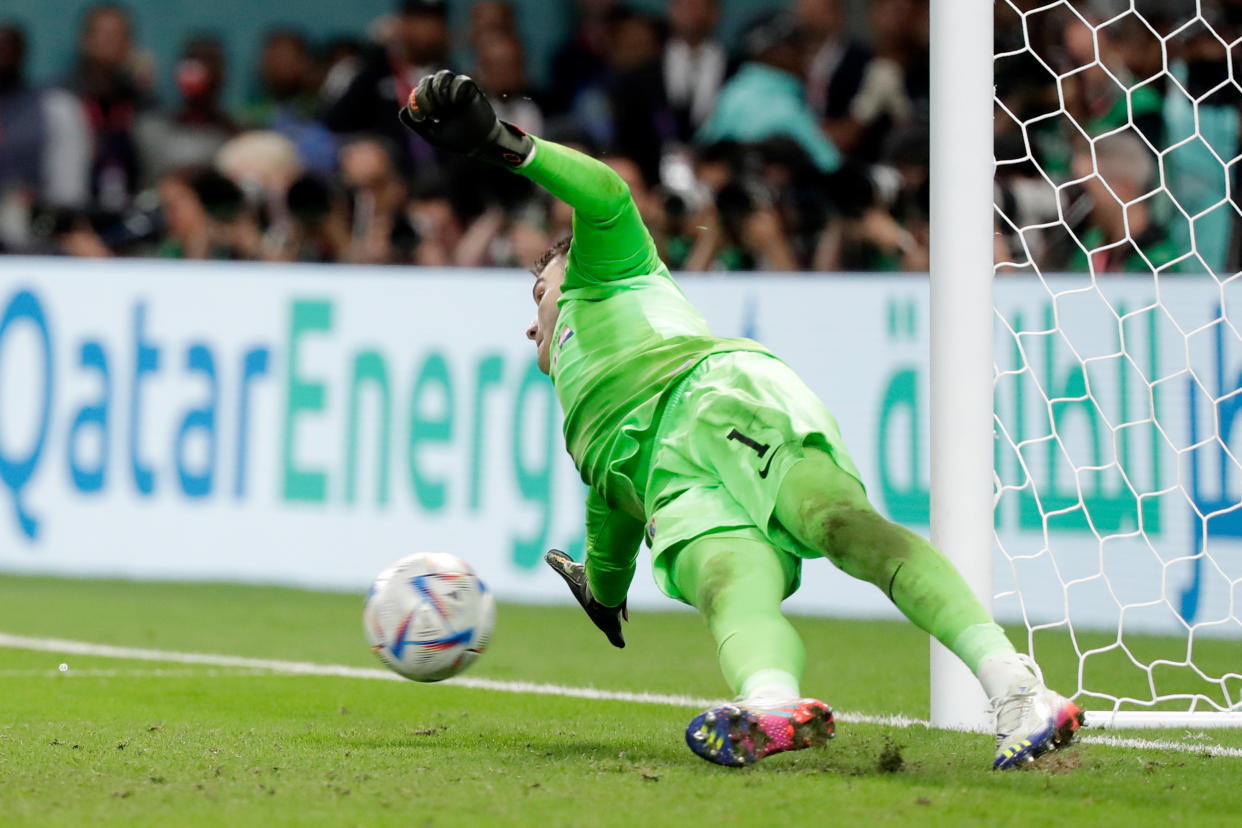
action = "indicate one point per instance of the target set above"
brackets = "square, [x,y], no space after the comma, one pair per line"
[611,242]
[453,114]
[607,619]
[601,584]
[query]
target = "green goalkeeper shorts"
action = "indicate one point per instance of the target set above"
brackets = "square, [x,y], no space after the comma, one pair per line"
[728,435]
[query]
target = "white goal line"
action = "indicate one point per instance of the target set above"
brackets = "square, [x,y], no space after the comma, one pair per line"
[308,668]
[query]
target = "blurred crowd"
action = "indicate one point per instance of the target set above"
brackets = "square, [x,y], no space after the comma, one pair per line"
[755,157]
[804,146]
[1117,136]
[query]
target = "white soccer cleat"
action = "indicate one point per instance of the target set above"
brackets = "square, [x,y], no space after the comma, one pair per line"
[1030,721]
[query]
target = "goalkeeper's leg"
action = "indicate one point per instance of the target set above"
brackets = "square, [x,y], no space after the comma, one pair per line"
[738,584]
[827,510]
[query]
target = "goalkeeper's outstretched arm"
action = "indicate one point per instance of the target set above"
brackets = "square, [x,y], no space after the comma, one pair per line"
[610,240]
[612,542]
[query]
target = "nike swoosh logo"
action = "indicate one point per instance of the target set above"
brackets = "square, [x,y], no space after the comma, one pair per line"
[764,471]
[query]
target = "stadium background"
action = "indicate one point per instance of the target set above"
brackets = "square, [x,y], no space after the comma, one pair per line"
[249,334]
[163,26]
[210,133]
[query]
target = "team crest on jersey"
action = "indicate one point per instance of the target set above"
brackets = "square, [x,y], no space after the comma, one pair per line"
[566,333]
[651,532]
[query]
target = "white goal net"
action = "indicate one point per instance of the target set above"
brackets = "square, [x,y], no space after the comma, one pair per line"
[1118,390]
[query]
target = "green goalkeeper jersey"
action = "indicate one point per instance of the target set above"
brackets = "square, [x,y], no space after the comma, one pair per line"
[624,336]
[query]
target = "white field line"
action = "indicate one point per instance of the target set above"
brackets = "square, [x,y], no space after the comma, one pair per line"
[307,668]
[152,672]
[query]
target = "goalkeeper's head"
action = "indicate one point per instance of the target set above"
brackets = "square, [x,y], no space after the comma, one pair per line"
[549,276]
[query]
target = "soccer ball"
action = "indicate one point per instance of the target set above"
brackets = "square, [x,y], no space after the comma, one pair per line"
[428,616]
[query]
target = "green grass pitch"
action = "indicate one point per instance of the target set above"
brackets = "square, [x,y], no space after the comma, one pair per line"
[122,742]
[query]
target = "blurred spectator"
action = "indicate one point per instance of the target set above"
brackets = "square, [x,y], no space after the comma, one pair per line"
[1024,199]
[894,233]
[804,198]
[285,74]
[1025,97]
[835,69]
[743,232]
[340,61]
[908,153]
[79,239]
[381,232]
[583,60]
[232,222]
[200,76]
[207,217]
[616,91]
[114,86]
[744,224]
[503,238]
[1193,173]
[184,217]
[694,64]
[488,17]
[412,43]
[62,231]
[766,97]
[1137,40]
[1093,96]
[1120,232]
[44,145]
[286,102]
[438,230]
[263,165]
[634,118]
[501,73]
[895,84]
[320,222]
[193,134]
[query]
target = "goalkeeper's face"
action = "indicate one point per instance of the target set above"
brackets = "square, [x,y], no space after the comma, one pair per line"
[547,291]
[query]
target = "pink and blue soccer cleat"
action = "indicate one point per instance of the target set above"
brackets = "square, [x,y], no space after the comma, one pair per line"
[743,733]
[1032,720]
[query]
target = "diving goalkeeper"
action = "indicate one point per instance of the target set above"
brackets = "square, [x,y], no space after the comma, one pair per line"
[717,454]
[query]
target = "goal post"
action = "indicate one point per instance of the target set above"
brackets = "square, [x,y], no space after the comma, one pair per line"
[1086,348]
[961,326]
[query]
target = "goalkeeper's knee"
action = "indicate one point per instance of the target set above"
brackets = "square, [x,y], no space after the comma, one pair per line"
[859,540]
[828,511]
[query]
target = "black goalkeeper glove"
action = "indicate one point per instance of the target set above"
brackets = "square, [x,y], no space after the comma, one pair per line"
[452,113]
[608,619]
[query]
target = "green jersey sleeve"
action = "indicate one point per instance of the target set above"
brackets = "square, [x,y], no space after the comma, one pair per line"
[613,538]
[610,240]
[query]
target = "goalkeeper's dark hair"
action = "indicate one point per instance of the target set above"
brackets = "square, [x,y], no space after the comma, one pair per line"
[561,248]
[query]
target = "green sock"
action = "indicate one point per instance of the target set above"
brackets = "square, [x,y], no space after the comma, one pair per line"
[770,685]
[738,584]
[975,645]
[930,591]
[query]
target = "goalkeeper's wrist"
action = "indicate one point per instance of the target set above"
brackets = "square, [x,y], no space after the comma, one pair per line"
[507,146]
[530,156]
